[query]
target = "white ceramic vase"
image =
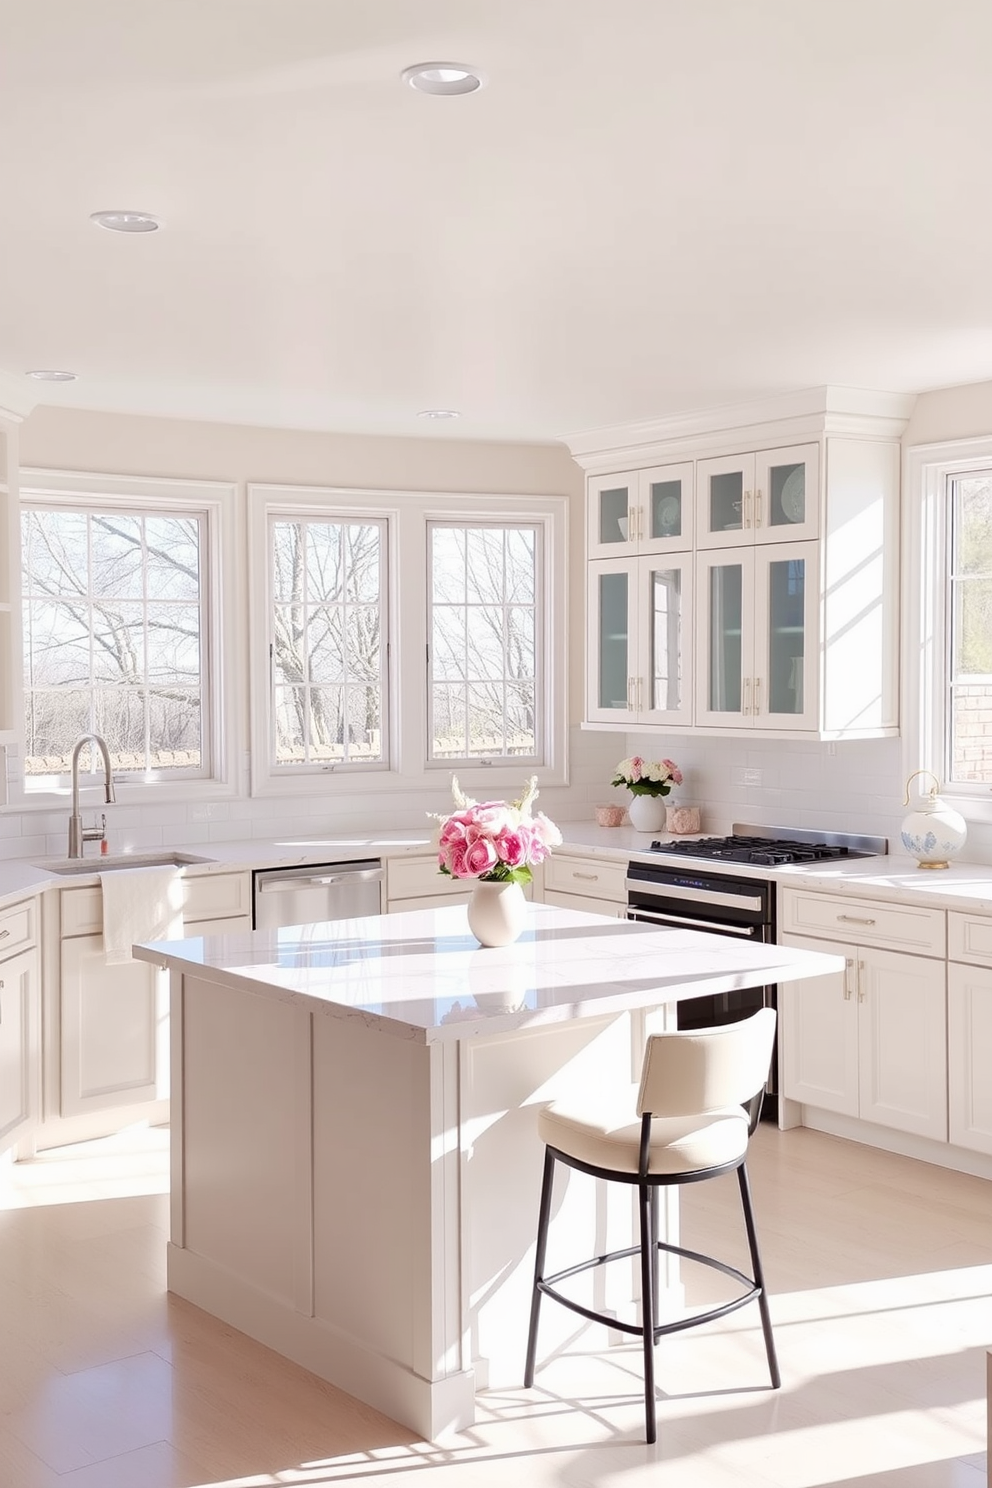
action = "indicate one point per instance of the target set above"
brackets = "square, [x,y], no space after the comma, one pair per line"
[933,832]
[496,912]
[647,813]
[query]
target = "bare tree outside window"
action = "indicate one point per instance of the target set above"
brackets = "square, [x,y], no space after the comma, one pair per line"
[113,624]
[484,651]
[327,655]
[969,664]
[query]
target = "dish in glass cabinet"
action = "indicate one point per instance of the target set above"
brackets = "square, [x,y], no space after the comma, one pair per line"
[793,497]
[668,515]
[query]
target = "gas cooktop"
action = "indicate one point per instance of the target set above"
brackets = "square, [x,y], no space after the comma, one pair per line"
[771,847]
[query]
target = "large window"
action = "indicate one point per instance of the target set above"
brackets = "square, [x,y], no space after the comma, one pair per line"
[113,628]
[485,651]
[948,608]
[968,631]
[327,646]
[403,634]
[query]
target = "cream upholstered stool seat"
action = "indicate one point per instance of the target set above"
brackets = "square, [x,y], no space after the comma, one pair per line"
[690,1119]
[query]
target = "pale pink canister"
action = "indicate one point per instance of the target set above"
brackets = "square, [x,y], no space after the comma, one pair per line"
[679,819]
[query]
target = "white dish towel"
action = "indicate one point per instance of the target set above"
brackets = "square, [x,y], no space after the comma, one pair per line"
[140,904]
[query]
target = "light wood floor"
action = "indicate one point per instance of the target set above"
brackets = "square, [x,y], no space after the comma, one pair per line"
[881,1274]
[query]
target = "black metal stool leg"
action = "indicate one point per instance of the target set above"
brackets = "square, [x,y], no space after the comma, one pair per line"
[544,1220]
[655,1268]
[757,1272]
[647,1308]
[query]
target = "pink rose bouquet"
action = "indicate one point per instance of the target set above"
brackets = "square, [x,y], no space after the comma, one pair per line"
[498,841]
[647,778]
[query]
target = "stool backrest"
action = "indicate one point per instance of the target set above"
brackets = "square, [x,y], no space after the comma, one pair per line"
[704,1070]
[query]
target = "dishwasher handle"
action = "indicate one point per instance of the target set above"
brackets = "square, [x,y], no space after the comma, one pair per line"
[362,875]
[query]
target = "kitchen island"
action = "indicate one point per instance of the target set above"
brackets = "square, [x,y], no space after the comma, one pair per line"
[355,1169]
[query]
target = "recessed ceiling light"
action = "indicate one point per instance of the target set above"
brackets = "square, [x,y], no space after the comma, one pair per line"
[51,375]
[439,413]
[445,78]
[129,222]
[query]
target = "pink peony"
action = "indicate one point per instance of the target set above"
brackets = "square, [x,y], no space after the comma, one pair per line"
[480,856]
[453,858]
[512,845]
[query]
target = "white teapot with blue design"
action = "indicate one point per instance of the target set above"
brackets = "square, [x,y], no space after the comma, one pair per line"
[932,832]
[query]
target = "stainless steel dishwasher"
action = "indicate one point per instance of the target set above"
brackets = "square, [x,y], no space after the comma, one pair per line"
[320,891]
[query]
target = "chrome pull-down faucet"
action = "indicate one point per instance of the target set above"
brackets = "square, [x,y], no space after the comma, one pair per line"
[78,834]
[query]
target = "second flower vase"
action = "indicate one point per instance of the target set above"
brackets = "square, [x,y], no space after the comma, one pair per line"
[647,813]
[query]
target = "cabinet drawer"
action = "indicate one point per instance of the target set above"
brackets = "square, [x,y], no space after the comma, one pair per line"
[593,878]
[217,896]
[969,938]
[213,896]
[18,927]
[894,927]
[413,878]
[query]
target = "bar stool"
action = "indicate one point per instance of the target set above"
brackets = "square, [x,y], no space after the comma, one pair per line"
[691,1119]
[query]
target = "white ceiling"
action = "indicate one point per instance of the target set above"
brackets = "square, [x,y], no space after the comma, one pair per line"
[654,206]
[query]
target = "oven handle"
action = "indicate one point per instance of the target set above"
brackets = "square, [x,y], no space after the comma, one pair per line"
[636,913]
[704,896]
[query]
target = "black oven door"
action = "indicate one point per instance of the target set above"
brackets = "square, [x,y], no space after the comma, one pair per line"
[719,905]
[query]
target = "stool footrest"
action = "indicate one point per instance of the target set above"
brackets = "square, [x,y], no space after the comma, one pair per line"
[547,1285]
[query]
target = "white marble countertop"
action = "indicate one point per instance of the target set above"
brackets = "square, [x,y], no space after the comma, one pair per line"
[963,886]
[422,975]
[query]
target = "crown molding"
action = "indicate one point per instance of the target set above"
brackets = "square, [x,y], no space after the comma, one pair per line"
[788,418]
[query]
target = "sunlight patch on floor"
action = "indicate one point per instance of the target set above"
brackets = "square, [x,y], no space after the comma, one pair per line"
[133,1162]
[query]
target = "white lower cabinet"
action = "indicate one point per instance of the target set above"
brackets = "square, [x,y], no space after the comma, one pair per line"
[20,1024]
[113,1019]
[109,1028]
[969,1056]
[417,883]
[870,1041]
[20,1007]
[595,885]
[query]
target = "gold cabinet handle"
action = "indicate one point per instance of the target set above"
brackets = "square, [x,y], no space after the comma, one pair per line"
[640,696]
[589,877]
[861,990]
[747,508]
[757,695]
[854,920]
[630,694]
[757,509]
[746,705]
[848,968]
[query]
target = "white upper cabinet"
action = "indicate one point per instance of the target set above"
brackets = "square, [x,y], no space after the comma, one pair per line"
[760,497]
[639,648]
[791,514]
[641,511]
[756,634]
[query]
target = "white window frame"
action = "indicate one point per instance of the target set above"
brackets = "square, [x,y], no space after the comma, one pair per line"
[223,649]
[528,762]
[408,513]
[925,602]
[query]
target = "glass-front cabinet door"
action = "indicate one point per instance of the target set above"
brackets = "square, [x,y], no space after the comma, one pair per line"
[767,496]
[756,631]
[724,611]
[787,494]
[641,511]
[640,625]
[786,681]
[725,501]
[611,504]
[665,509]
